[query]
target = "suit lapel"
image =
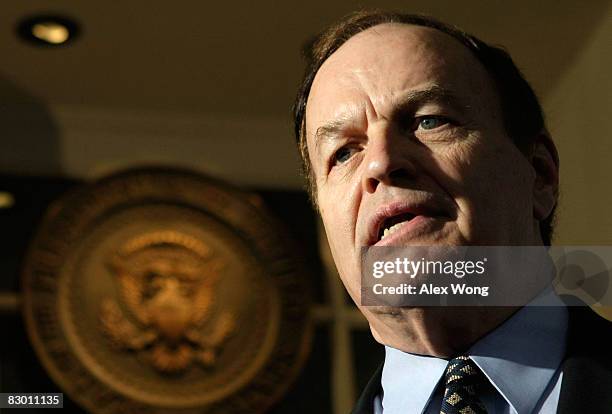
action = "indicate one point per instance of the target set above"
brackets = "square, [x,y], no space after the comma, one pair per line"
[587,368]
[365,404]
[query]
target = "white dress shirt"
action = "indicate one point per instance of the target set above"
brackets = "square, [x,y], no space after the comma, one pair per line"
[520,358]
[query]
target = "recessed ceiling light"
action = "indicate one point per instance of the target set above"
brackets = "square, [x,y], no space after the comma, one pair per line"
[48,30]
[6,200]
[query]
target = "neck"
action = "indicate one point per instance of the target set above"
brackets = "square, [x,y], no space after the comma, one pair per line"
[443,332]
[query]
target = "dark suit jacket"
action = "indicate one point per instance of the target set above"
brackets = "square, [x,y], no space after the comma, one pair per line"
[586,386]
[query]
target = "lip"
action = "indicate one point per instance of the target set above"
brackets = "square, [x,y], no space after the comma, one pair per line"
[410,229]
[426,216]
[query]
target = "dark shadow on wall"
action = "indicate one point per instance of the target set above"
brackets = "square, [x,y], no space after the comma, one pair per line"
[29,136]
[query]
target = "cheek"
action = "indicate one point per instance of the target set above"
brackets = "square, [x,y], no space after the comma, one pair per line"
[502,175]
[491,186]
[339,222]
[338,204]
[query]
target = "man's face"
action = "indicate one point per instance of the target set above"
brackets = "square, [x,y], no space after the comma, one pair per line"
[407,144]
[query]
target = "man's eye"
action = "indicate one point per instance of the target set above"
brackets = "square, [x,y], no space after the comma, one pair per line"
[430,122]
[343,155]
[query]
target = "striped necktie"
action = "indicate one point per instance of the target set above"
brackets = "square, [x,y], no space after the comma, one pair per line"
[462,381]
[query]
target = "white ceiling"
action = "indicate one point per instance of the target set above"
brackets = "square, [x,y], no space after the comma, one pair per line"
[210,84]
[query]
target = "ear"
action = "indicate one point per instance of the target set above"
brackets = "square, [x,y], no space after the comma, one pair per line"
[545,162]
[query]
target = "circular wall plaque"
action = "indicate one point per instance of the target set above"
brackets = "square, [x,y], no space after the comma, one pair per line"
[164,291]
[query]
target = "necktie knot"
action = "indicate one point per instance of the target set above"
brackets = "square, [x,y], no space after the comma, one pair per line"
[462,382]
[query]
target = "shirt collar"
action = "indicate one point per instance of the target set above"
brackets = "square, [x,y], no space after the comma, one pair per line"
[409,380]
[519,358]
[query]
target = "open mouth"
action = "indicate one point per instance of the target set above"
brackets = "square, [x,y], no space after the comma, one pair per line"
[404,220]
[390,225]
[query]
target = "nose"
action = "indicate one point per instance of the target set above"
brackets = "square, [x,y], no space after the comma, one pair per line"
[389,160]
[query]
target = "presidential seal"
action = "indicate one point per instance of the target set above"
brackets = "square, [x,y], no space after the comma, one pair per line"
[163,291]
[167,284]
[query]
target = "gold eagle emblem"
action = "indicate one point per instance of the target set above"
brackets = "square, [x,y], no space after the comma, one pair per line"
[166,282]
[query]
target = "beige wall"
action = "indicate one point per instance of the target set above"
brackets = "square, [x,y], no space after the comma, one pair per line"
[580,120]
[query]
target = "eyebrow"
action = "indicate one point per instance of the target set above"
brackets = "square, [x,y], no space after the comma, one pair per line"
[331,129]
[409,101]
[434,93]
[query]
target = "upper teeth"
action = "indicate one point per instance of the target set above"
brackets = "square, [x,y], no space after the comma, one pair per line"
[391,229]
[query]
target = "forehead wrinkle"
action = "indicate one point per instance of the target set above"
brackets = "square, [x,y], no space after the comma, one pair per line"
[363,64]
[411,99]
